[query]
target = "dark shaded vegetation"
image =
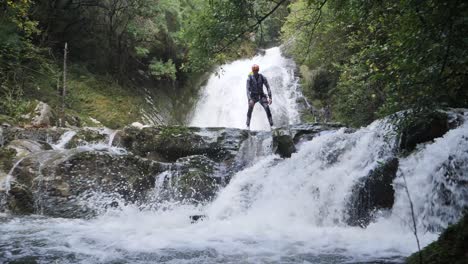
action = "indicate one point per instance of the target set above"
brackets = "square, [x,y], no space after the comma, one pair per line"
[368,59]
[450,248]
[118,50]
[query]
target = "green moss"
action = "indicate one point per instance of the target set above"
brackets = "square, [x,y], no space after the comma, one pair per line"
[168,132]
[7,156]
[450,248]
[6,119]
[90,95]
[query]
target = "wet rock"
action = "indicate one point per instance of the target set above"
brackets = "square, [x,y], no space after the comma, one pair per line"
[43,115]
[425,127]
[72,121]
[196,218]
[87,136]
[283,143]
[306,132]
[372,193]
[171,143]
[62,182]
[20,199]
[193,179]
[450,192]
[7,159]
[450,248]
[24,147]
[32,133]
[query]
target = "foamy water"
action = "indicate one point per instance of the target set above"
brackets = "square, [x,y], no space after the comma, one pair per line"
[275,211]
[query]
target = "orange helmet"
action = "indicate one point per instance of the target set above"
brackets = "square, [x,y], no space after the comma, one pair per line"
[255,68]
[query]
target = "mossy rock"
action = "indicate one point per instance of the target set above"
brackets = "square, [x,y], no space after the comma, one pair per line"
[60,180]
[20,199]
[6,120]
[193,179]
[86,136]
[450,248]
[169,143]
[7,159]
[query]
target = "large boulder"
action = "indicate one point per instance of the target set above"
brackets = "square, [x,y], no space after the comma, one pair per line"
[19,199]
[424,127]
[372,193]
[87,136]
[283,143]
[24,147]
[193,179]
[306,132]
[32,133]
[63,182]
[43,115]
[171,143]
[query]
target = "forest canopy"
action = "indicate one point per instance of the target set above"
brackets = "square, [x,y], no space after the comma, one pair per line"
[358,59]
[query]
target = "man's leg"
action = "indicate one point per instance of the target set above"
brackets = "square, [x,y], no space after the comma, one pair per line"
[249,112]
[264,103]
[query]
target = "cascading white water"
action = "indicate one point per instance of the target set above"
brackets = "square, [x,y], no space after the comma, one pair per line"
[276,211]
[223,101]
[64,139]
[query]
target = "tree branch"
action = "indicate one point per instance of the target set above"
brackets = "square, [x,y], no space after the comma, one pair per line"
[255,26]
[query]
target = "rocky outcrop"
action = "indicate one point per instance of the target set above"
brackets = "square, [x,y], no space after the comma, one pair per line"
[306,132]
[24,147]
[61,181]
[372,193]
[185,164]
[43,116]
[7,159]
[426,127]
[283,143]
[286,139]
[20,199]
[193,179]
[171,143]
[87,136]
[32,133]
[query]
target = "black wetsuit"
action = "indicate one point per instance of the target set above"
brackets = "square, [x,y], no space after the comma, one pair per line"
[255,93]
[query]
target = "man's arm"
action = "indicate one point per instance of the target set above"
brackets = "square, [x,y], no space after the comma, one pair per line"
[248,89]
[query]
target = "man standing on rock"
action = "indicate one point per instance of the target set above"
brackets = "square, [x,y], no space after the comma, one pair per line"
[255,94]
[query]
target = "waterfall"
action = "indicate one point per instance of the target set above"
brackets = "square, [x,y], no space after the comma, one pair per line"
[111,138]
[64,139]
[273,210]
[6,183]
[223,101]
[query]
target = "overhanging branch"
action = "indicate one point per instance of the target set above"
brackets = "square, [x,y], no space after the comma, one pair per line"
[251,28]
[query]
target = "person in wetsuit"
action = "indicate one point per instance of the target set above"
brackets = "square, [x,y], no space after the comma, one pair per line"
[255,94]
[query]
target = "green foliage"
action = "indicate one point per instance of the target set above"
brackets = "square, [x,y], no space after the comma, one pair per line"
[163,70]
[101,98]
[389,55]
[20,60]
[215,30]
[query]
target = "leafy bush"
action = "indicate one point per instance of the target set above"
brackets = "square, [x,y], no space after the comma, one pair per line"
[163,70]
